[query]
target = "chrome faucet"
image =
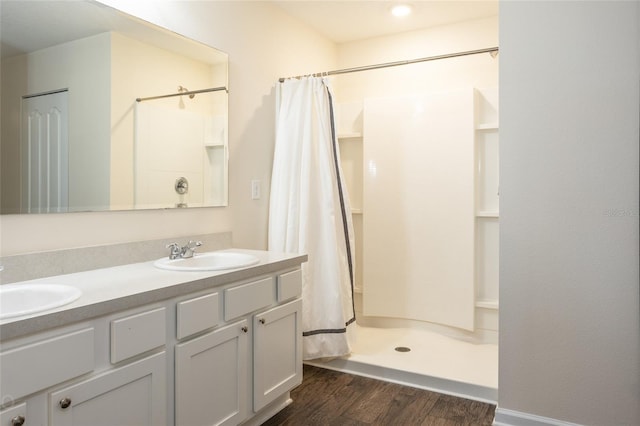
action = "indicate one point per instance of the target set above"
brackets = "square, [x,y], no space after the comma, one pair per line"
[189,249]
[184,252]
[174,250]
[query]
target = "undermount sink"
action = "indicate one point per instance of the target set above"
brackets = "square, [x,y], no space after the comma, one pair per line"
[23,299]
[209,261]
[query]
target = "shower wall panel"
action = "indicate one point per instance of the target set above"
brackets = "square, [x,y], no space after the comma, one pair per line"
[169,144]
[419,208]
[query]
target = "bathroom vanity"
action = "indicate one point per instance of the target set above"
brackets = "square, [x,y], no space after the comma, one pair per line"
[157,347]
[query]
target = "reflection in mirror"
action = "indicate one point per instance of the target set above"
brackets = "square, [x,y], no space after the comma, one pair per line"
[103,111]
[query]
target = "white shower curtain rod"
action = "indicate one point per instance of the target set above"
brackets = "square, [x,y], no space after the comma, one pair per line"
[492,50]
[192,92]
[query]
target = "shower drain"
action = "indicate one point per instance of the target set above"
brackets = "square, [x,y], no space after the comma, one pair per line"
[403,349]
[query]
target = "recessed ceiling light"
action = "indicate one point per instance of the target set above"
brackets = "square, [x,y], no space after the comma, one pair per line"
[400,10]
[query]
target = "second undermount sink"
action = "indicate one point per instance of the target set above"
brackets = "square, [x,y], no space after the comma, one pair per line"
[24,299]
[209,261]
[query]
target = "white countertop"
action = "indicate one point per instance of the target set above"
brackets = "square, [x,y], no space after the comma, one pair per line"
[113,289]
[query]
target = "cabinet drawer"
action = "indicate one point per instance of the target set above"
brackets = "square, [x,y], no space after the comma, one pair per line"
[138,333]
[248,297]
[197,314]
[37,366]
[289,285]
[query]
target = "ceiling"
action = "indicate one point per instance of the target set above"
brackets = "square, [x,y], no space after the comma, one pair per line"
[340,21]
[21,21]
[351,20]
[26,26]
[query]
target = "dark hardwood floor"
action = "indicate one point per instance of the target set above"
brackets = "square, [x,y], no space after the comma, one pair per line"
[329,397]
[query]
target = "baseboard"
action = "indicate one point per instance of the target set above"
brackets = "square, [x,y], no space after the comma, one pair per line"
[506,417]
[406,378]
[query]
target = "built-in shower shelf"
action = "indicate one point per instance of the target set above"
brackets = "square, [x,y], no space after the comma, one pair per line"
[354,135]
[487,126]
[213,144]
[487,213]
[356,211]
[487,304]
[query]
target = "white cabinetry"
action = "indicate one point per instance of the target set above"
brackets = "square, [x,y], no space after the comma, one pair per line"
[221,356]
[131,395]
[64,376]
[256,356]
[138,333]
[72,354]
[211,377]
[14,416]
[277,352]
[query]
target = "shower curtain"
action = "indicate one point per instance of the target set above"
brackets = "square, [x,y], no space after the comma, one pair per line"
[310,213]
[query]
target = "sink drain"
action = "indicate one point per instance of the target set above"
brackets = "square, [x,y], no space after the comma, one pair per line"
[403,349]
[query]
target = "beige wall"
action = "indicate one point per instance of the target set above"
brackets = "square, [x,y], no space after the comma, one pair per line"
[263,44]
[450,74]
[158,72]
[57,68]
[14,80]
[569,120]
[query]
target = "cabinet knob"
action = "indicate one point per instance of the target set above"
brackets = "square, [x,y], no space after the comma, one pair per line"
[261,321]
[245,329]
[65,403]
[17,421]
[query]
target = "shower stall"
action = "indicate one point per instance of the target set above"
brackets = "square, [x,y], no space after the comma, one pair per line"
[419,153]
[422,173]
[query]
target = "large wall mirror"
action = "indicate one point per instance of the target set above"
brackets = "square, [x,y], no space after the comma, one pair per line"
[103,111]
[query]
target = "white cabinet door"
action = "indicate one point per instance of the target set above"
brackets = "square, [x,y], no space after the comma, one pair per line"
[14,416]
[132,395]
[277,352]
[211,377]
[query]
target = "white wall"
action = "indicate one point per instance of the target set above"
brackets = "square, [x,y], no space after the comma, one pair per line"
[263,44]
[569,116]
